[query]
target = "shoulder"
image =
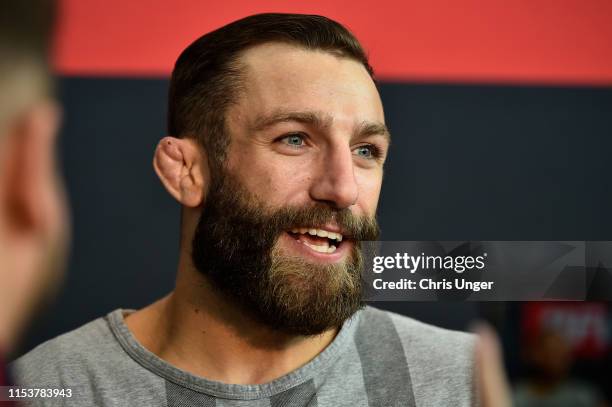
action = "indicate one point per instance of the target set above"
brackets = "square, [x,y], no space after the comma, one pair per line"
[419,336]
[62,360]
[441,362]
[92,362]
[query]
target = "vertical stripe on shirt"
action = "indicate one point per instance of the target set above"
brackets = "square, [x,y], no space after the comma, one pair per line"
[385,371]
[179,396]
[302,395]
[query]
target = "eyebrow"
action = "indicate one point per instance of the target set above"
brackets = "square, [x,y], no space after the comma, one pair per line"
[319,121]
[372,129]
[314,119]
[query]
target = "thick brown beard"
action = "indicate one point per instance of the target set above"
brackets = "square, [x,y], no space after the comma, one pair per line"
[236,247]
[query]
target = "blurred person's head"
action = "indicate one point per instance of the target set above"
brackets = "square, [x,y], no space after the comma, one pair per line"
[33,220]
[549,355]
[276,155]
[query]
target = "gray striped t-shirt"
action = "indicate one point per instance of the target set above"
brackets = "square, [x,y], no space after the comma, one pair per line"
[377,359]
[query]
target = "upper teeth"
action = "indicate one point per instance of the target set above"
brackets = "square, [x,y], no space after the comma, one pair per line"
[319,232]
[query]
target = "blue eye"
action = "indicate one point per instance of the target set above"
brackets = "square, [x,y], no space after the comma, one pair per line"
[366,152]
[294,140]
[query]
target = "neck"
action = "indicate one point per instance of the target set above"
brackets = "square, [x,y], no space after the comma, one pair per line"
[197,329]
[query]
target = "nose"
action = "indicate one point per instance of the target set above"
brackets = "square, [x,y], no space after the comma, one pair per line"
[335,183]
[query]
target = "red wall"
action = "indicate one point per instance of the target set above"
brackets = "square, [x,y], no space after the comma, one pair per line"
[520,41]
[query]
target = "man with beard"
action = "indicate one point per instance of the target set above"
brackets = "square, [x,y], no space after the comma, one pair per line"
[276,151]
[33,220]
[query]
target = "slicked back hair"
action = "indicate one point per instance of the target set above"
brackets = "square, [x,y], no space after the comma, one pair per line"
[207,76]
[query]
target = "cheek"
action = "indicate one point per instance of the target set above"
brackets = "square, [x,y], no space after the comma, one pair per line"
[370,183]
[286,182]
[275,180]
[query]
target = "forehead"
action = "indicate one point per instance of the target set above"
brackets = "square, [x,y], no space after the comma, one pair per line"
[285,77]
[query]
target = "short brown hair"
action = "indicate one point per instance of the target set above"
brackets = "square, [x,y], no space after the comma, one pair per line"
[206,76]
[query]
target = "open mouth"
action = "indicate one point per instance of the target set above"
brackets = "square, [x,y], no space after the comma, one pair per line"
[319,240]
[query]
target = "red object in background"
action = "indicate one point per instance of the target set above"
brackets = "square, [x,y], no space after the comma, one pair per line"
[566,42]
[584,325]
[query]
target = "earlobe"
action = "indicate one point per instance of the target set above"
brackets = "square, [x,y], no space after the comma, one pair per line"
[179,165]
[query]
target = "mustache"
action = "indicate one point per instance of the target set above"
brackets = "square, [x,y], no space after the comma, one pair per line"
[248,212]
[317,216]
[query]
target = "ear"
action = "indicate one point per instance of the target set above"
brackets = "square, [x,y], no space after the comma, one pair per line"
[182,166]
[33,196]
[33,217]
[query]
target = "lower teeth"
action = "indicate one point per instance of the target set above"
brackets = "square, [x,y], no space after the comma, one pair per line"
[321,249]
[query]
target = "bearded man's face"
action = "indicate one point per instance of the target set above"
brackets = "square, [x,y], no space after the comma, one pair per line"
[236,245]
[283,218]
